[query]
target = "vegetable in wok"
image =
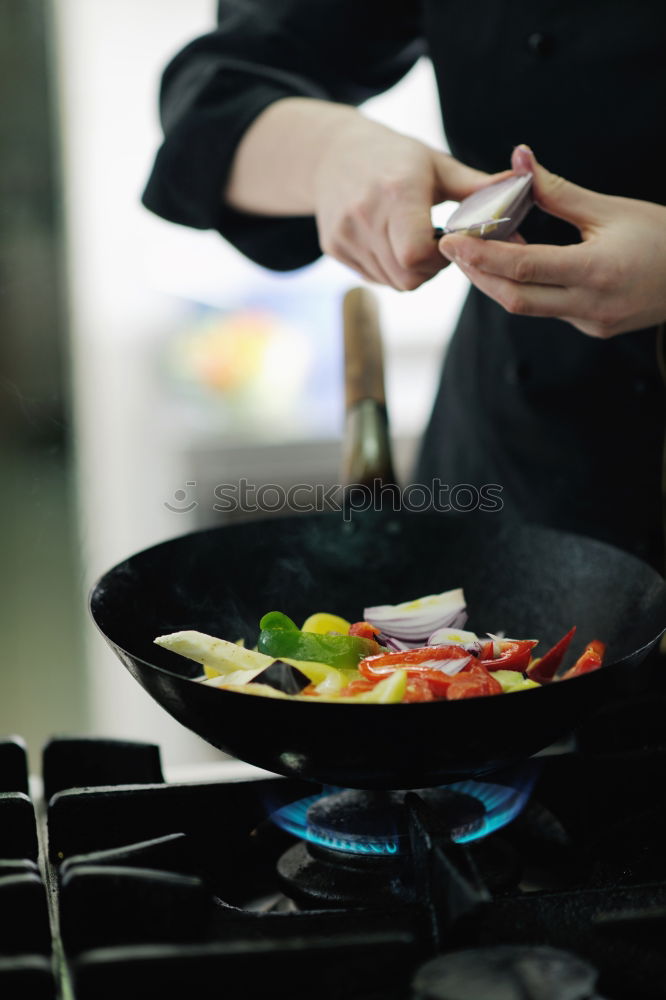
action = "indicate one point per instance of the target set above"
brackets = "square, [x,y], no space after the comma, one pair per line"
[409,652]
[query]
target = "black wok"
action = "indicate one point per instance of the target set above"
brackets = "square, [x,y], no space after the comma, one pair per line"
[528,581]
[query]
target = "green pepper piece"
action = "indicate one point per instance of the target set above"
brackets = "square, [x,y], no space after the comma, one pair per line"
[340,651]
[277,620]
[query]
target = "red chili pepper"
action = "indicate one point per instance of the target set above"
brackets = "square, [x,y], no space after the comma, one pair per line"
[514,655]
[364,630]
[384,664]
[590,659]
[543,669]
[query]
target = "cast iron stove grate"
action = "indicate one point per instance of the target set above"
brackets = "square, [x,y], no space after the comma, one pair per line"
[170,890]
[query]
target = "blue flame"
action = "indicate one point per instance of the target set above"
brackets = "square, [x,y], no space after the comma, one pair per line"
[294,819]
[502,803]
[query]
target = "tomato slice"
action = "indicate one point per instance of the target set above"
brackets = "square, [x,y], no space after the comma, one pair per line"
[419,689]
[414,661]
[590,659]
[438,682]
[364,630]
[486,651]
[473,682]
[543,669]
[357,686]
[514,655]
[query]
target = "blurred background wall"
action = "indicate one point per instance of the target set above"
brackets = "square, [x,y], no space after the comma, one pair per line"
[42,671]
[143,363]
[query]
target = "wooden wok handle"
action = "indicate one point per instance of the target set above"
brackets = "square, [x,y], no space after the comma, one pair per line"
[367,457]
[364,359]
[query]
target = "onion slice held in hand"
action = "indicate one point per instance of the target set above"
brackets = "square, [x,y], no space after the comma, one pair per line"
[507,202]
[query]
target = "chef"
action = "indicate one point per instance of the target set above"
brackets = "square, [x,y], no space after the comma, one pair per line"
[553,381]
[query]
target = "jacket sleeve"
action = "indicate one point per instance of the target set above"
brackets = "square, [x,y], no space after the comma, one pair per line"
[261,51]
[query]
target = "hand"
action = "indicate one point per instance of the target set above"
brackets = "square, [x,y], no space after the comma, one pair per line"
[612,282]
[373,192]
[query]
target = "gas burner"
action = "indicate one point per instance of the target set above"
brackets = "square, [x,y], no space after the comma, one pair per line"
[315,877]
[358,846]
[507,972]
[375,822]
[153,885]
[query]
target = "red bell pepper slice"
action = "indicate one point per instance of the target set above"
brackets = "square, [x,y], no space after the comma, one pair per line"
[514,655]
[590,659]
[414,661]
[543,669]
[426,683]
[364,630]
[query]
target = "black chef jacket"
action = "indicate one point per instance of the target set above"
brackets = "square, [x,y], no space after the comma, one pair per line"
[570,426]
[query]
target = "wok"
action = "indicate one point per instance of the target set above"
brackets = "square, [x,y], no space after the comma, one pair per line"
[527,580]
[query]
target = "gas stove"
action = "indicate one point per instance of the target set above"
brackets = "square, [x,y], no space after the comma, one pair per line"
[547,881]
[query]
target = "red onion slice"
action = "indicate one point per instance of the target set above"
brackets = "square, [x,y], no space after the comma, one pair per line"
[450,667]
[497,640]
[509,201]
[455,637]
[396,644]
[414,621]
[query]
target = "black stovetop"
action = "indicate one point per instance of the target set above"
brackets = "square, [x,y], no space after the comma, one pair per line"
[152,889]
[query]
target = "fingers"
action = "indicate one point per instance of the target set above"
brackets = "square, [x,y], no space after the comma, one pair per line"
[409,257]
[522,281]
[558,196]
[375,214]
[519,262]
[457,181]
[368,269]
[392,255]
[526,300]
[406,245]
[397,229]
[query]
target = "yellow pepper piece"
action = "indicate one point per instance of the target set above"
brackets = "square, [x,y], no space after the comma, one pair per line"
[318,672]
[322,622]
[388,691]
[512,680]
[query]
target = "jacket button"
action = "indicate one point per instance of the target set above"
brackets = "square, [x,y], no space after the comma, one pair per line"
[540,44]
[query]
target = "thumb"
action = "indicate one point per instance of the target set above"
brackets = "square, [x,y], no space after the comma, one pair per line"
[557,196]
[457,181]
